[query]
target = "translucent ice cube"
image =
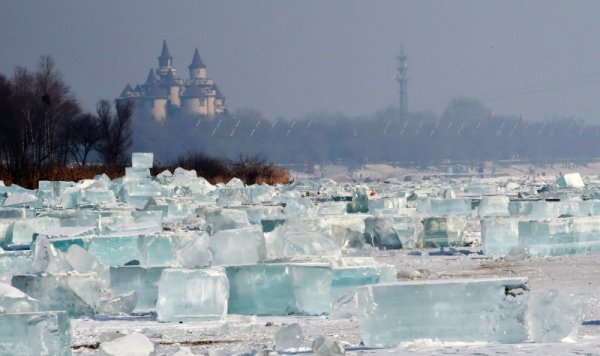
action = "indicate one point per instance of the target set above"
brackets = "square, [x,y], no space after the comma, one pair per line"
[289,338]
[554,315]
[142,159]
[225,246]
[488,310]
[37,333]
[192,295]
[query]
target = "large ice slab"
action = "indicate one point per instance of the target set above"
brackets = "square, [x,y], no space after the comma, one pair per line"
[482,310]
[38,333]
[12,300]
[192,295]
[22,232]
[279,289]
[444,207]
[554,315]
[284,244]
[391,232]
[444,231]
[493,206]
[570,180]
[555,237]
[141,280]
[77,294]
[294,288]
[226,246]
[157,249]
[142,159]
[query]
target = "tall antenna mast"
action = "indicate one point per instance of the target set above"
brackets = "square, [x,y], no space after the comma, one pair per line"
[402,84]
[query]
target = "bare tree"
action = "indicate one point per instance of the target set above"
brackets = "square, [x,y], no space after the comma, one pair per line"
[115,131]
[84,134]
[41,109]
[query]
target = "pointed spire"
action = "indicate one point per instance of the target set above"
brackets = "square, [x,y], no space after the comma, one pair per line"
[165,51]
[196,61]
[151,78]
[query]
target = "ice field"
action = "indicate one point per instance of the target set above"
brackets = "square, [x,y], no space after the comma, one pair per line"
[173,265]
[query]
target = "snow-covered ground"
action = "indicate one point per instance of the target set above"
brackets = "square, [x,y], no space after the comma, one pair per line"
[578,275]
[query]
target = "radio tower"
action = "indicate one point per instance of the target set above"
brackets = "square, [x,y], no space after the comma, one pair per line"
[402,81]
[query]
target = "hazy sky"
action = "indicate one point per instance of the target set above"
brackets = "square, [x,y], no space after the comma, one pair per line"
[291,58]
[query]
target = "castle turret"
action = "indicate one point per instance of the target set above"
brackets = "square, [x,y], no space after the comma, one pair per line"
[197,67]
[194,101]
[155,102]
[165,61]
[170,83]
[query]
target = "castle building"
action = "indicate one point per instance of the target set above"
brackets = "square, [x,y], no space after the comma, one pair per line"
[164,95]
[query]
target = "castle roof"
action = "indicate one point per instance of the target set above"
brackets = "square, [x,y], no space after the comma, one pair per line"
[165,51]
[194,91]
[218,94]
[197,61]
[128,89]
[151,78]
[155,91]
[170,79]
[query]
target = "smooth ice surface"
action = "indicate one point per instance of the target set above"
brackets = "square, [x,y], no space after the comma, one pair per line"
[553,237]
[444,231]
[23,231]
[570,180]
[46,259]
[279,289]
[218,219]
[494,206]
[192,295]
[142,280]
[20,199]
[39,333]
[391,232]
[499,235]
[12,300]
[134,344]
[489,310]
[444,207]
[289,338]
[284,244]
[194,254]
[554,316]
[238,246]
[77,294]
[142,159]
[14,262]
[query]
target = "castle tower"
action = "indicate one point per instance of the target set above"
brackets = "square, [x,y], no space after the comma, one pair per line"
[165,61]
[197,67]
[194,101]
[402,84]
[170,83]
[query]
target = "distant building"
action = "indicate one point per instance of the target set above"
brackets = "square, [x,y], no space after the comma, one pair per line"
[165,95]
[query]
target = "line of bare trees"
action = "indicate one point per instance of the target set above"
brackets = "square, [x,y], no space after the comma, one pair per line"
[43,125]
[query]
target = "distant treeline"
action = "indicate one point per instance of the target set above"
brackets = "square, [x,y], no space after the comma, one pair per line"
[466,131]
[45,135]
